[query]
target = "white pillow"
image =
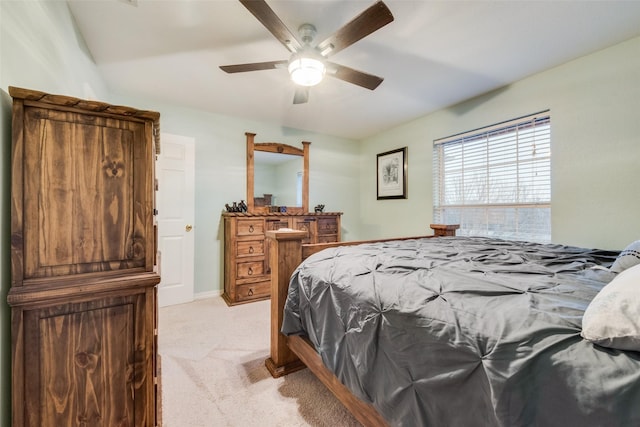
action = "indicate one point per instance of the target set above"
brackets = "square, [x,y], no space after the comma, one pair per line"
[612,319]
[629,257]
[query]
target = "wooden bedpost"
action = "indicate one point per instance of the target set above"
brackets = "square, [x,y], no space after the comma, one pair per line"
[285,254]
[444,229]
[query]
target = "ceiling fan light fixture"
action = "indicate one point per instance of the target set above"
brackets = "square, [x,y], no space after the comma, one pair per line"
[306,71]
[308,63]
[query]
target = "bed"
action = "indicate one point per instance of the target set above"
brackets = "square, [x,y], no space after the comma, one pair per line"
[454,331]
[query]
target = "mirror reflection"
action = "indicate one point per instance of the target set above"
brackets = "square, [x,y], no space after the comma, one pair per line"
[277,179]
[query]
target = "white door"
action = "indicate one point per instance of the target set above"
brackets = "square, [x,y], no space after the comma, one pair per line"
[176,230]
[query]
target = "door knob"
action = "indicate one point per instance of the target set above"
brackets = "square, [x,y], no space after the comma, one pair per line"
[188,227]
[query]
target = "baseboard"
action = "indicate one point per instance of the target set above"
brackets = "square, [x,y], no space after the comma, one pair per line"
[205,295]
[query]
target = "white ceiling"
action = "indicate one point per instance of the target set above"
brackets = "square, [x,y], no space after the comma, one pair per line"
[435,54]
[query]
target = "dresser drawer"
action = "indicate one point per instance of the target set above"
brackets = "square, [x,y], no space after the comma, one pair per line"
[249,269]
[276,224]
[327,238]
[251,227]
[308,225]
[327,226]
[253,291]
[249,248]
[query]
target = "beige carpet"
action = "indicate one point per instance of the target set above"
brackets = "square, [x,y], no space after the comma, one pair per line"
[213,372]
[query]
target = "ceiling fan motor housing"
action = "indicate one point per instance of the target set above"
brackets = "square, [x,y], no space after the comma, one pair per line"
[307,33]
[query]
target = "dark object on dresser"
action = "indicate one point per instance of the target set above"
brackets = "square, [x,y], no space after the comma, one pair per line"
[236,207]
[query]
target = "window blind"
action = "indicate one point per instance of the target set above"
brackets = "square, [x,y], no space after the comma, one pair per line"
[496,181]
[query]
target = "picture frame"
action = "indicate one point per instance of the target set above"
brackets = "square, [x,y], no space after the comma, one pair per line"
[391,174]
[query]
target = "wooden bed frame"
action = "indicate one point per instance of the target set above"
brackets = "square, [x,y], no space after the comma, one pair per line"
[290,354]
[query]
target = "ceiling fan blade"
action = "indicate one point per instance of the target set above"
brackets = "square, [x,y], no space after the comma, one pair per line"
[368,81]
[261,10]
[372,19]
[302,95]
[255,66]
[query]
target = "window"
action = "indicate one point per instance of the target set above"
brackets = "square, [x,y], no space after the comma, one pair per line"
[496,181]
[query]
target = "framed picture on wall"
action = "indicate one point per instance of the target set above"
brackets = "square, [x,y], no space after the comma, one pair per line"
[392,174]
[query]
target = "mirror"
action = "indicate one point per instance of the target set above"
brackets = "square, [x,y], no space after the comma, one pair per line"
[277,175]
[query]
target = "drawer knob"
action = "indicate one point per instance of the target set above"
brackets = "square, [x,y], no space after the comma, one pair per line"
[251,229]
[250,271]
[250,293]
[250,249]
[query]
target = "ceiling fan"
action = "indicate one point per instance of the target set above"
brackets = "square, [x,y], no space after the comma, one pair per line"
[308,64]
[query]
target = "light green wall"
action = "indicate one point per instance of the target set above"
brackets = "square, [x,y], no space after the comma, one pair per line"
[221,177]
[264,179]
[286,182]
[39,49]
[42,50]
[594,103]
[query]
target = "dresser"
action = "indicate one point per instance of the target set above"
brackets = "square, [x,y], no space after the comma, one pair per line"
[83,263]
[246,253]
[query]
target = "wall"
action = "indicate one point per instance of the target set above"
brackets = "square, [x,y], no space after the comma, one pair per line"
[52,59]
[594,103]
[221,177]
[265,180]
[287,182]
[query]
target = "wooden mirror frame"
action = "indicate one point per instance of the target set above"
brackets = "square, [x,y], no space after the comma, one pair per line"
[275,147]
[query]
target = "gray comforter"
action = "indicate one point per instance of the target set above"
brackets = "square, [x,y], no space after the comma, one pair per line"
[465,332]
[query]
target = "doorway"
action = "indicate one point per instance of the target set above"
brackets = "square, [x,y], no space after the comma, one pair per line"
[175,171]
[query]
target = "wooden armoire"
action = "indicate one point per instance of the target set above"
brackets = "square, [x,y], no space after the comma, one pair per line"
[83,252]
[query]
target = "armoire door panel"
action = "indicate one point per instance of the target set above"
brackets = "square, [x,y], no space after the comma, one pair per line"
[94,177]
[83,219]
[87,370]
